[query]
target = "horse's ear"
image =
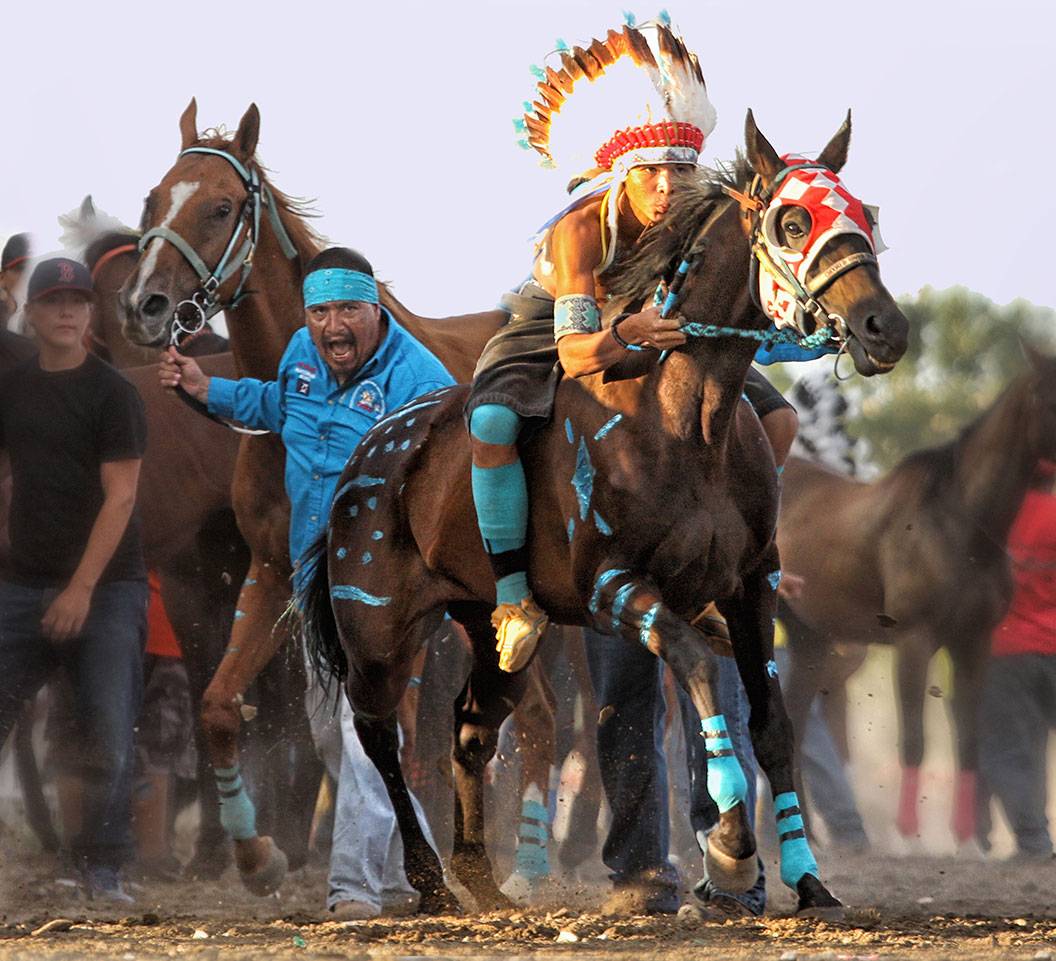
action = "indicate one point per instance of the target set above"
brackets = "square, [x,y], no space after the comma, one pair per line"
[88,208]
[189,125]
[761,155]
[834,156]
[248,132]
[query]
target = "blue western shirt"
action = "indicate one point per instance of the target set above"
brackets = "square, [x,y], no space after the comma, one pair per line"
[320,421]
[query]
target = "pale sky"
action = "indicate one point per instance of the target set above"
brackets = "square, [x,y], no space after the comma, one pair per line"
[396,118]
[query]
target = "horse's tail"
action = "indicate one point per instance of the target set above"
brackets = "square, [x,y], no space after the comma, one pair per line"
[325,653]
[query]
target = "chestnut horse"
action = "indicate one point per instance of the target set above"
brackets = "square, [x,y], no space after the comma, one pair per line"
[916,559]
[206,200]
[651,496]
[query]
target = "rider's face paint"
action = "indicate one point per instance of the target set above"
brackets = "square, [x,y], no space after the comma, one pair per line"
[346,334]
[649,188]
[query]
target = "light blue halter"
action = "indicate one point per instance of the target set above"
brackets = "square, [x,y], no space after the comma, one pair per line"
[205,300]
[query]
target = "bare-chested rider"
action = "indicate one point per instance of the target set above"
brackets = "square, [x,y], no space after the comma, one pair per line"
[555,327]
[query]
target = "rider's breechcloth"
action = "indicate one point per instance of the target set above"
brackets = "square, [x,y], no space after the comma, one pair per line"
[519,367]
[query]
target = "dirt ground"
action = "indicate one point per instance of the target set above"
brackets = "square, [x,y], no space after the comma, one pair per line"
[920,900]
[924,908]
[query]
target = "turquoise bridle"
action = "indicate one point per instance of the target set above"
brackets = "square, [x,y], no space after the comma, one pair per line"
[205,302]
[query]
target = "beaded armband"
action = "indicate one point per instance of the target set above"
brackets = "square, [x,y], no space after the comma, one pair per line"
[576,314]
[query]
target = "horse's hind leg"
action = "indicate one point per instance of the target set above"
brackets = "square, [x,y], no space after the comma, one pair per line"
[632,606]
[381,744]
[751,622]
[970,659]
[486,700]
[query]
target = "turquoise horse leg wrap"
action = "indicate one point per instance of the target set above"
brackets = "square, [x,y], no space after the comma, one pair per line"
[501,498]
[726,781]
[533,858]
[796,857]
[237,814]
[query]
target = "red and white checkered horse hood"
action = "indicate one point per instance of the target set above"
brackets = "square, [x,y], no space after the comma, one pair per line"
[833,212]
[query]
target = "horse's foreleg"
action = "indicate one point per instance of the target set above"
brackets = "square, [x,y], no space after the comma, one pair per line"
[534,719]
[751,622]
[631,607]
[485,702]
[969,668]
[255,637]
[913,654]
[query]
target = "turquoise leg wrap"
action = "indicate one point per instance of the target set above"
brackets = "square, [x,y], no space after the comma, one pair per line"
[796,858]
[237,814]
[533,858]
[726,781]
[501,498]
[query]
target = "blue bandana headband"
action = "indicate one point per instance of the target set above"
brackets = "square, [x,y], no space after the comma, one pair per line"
[334,284]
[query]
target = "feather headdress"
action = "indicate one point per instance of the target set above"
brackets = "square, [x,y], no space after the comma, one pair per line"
[637,97]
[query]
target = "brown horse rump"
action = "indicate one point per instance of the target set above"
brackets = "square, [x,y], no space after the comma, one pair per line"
[519,367]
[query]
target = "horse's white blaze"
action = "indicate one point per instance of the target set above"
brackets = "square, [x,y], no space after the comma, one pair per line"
[179,195]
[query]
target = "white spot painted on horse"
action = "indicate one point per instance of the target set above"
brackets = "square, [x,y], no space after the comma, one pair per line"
[370,453]
[239,615]
[366,557]
[389,446]
[341,553]
[377,535]
[372,503]
[405,445]
[409,423]
[180,194]
[353,510]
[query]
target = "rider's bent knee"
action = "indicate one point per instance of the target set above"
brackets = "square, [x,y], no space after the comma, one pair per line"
[495,424]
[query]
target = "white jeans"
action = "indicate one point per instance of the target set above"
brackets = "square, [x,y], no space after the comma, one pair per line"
[366,858]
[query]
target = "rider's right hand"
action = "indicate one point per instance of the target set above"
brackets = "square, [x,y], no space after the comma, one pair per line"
[175,370]
[648,328]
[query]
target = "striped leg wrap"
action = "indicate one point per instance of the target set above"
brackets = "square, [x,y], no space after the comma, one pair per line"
[533,858]
[622,606]
[796,858]
[237,814]
[727,784]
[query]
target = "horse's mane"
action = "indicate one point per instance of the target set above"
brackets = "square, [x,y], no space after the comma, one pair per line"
[295,212]
[105,242]
[934,466]
[655,255]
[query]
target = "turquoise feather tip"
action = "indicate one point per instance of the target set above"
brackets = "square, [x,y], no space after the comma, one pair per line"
[527,104]
[524,145]
[664,17]
[561,45]
[536,71]
[630,19]
[519,125]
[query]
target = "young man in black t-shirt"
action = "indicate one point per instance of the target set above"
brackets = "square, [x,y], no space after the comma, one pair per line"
[75,593]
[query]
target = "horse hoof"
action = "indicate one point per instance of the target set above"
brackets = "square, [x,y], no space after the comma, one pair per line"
[268,878]
[439,903]
[730,874]
[816,902]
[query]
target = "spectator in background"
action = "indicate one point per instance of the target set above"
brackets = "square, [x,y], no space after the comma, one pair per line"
[1019,699]
[14,259]
[75,593]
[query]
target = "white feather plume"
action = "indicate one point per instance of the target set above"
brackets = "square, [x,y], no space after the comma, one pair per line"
[85,224]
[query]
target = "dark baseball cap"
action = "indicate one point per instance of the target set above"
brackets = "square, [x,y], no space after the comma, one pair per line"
[16,250]
[59,273]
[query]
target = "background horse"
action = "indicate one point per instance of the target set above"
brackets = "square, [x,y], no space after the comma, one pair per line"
[917,560]
[651,496]
[201,191]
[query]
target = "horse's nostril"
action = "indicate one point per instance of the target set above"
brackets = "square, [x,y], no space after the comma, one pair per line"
[873,326]
[154,306]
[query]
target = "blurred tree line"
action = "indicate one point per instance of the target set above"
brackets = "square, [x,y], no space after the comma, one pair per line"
[963,351]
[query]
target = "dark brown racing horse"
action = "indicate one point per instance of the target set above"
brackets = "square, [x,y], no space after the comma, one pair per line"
[653,492]
[917,560]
